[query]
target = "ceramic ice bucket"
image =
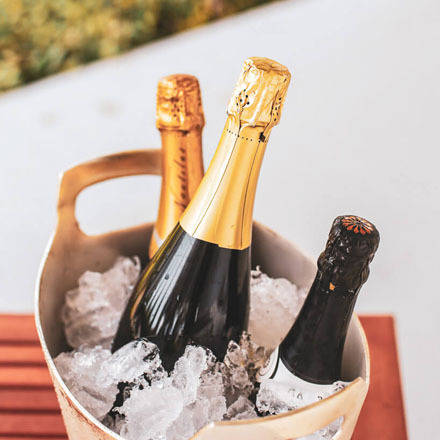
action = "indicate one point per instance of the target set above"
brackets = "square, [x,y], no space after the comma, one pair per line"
[71,252]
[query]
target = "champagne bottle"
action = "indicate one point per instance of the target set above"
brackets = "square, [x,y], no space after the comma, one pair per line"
[196,287]
[180,120]
[312,350]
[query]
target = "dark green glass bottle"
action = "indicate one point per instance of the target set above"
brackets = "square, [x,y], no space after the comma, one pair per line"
[313,348]
[196,288]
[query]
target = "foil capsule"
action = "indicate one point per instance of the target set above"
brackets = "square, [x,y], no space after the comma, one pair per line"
[179,103]
[259,95]
[350,248]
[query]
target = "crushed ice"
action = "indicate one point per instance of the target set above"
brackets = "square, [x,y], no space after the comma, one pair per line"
[130,391]
[276,301]
[91,312]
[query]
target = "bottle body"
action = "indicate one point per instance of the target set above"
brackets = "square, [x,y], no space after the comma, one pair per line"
[197,292]
[314,346]
[312,349]
[196,287]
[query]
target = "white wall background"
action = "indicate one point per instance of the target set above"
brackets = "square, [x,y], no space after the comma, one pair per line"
[359,134]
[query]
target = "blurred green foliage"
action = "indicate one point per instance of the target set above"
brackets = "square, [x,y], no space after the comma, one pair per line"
[41,37]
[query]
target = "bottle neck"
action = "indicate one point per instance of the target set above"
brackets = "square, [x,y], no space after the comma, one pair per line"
[194,160]
[313,348]
[182,171]
[221,210]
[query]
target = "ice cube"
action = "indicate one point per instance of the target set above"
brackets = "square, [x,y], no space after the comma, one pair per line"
[216,409]
[241,364]
[211,403]
[275,397]
[133,360]
[235,356]
[183,427]
[150,412]
[211,383]
[92,311]
[241,409]
[181,404]
[205,411]
[187,371]
[274,305]
[79,370]
[240,378]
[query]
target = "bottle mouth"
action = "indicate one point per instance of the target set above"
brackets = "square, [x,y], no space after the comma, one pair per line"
[357,225]
[268,64]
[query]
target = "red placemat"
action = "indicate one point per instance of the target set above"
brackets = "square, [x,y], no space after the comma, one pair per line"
[383,413]
[29,409]
[28,405]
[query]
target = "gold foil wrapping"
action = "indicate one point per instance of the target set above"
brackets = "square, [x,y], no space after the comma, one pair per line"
[259,95]
[180,121]
[179,103]
[222,208]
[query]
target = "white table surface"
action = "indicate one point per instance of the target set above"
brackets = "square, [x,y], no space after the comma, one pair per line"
[359,134]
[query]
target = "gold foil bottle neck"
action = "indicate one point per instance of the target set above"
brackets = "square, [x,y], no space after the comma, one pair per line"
[259,95]
[180,122]
[179,103]
[222,208]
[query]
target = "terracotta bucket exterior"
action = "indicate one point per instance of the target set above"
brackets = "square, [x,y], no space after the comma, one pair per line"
[70,252]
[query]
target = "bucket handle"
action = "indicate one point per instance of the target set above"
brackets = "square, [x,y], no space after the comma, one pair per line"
[79,177]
